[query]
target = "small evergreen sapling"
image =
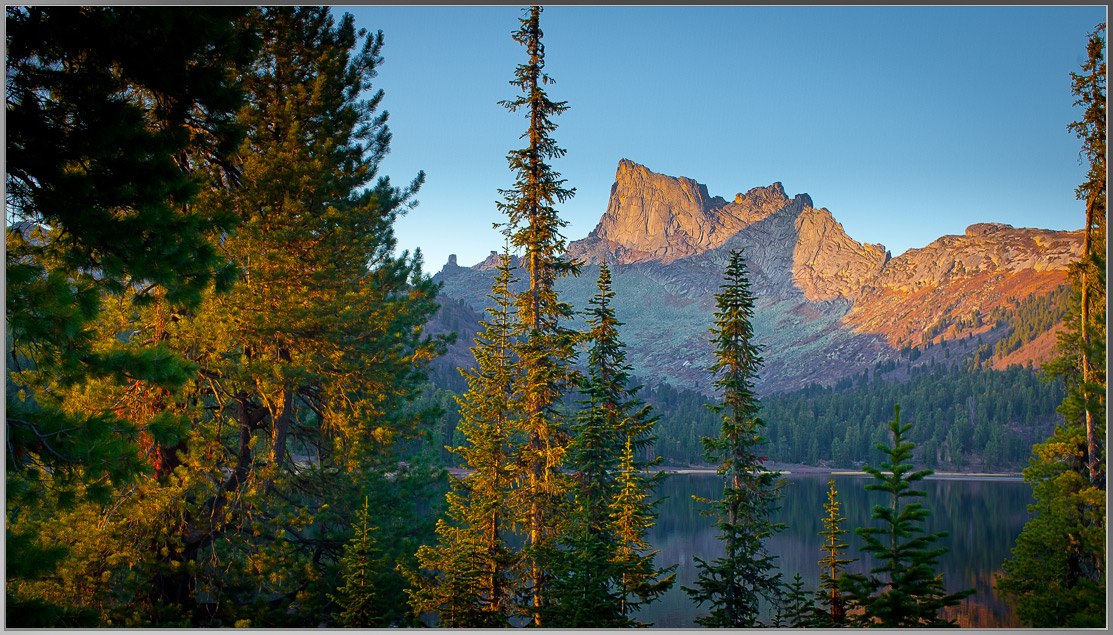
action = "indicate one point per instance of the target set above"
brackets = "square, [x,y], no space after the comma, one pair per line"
[903,590]
[831,565]
[357,598]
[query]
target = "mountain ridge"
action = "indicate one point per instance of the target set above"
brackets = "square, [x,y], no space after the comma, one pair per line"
[827,305]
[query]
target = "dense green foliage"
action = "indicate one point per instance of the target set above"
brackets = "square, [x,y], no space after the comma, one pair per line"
[734,584]
[840,425]
[1031,317]
[300,369]
[85,220]
[1058,569]
[903,590]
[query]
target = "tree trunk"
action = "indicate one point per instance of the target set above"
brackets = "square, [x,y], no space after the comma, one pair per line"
[282,417]
[1092,450]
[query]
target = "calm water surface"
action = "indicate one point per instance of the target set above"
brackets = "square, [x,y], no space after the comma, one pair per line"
[983,518]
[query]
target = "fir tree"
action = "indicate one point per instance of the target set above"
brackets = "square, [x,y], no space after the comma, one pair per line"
[547,352]
[472,579]
[605,568]
[832,565]
[903,590]
[735,584]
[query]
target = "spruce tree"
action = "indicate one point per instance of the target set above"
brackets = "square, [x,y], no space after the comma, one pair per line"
[1057,572]
[735,583]
[472,578]
[547,351]
[832,565]
[903,590]
[604,568]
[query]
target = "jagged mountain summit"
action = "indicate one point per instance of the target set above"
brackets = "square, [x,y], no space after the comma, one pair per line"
[827,305]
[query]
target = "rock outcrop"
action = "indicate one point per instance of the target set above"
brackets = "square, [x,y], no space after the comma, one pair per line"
[493,261]
[828,264]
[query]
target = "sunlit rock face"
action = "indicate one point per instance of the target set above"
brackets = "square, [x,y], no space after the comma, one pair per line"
[827,305]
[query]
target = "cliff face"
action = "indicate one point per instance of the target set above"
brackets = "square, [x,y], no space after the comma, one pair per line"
[828,264]
[827,305]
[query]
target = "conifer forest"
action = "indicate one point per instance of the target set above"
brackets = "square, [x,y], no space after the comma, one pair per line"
[223,407]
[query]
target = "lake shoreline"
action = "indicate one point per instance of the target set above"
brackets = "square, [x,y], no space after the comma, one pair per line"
[801,469]
[798,469]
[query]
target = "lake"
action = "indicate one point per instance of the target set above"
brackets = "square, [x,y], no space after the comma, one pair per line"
[983,516]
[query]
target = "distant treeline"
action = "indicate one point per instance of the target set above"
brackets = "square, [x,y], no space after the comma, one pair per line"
[965,419]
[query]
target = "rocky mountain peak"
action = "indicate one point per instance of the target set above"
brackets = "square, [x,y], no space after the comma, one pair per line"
[655,217]
[827,305]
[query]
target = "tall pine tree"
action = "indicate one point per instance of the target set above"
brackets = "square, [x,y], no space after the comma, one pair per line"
[903,590]
[547,351]
[735,584]
[1057,571]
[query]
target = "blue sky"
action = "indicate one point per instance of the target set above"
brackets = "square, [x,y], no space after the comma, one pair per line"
[908,123]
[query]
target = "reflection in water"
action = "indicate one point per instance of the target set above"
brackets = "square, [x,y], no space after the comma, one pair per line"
[983,518]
